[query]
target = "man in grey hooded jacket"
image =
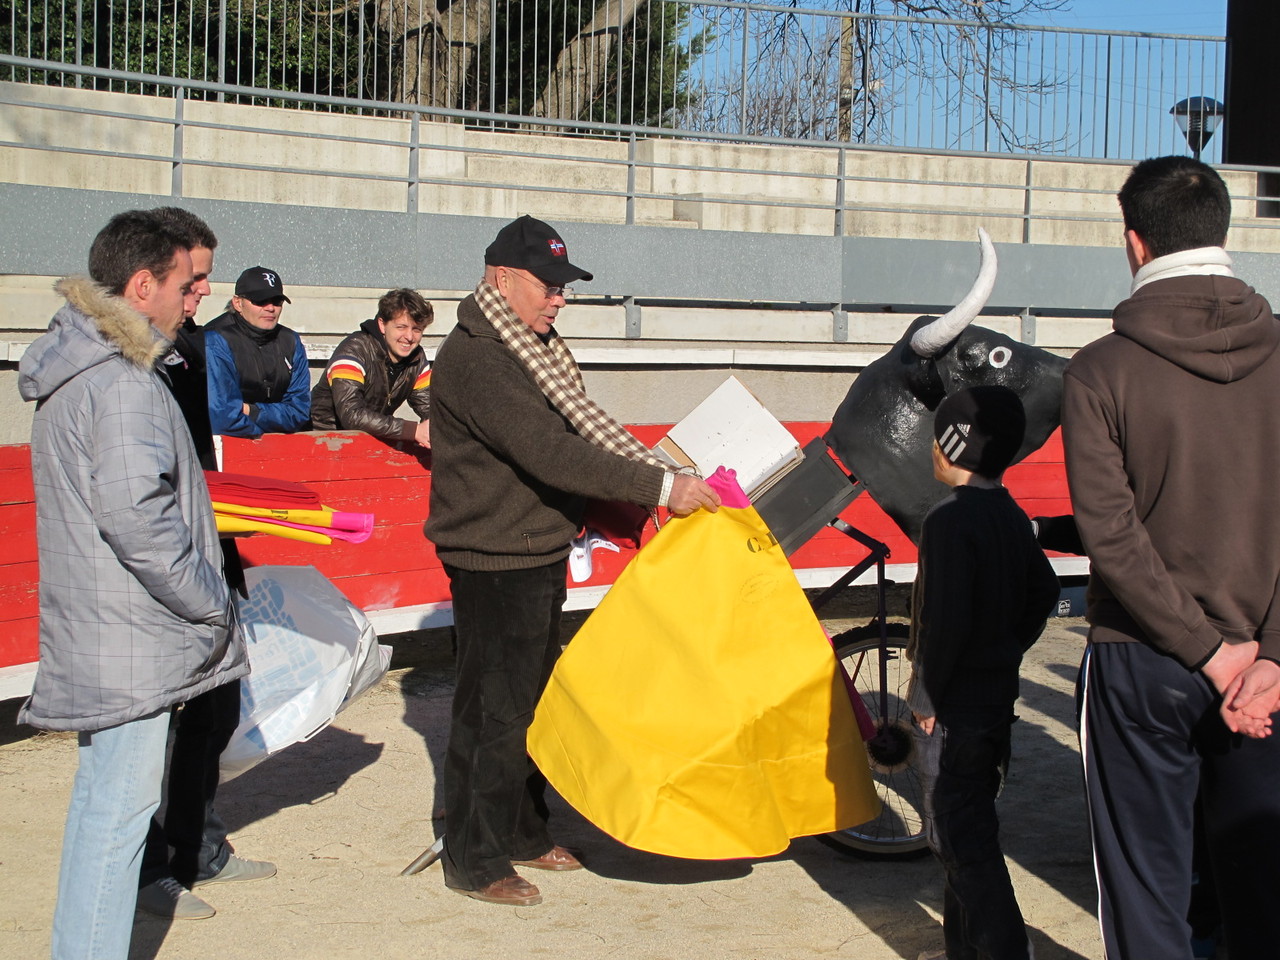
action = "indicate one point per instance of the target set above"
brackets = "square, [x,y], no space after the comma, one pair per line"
[134,613]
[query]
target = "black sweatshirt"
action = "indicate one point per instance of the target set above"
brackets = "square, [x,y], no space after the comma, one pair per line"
[983,591]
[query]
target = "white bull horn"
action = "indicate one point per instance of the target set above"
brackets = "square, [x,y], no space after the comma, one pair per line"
[927,341]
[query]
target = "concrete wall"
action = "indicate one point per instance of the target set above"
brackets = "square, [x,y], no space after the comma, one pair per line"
[730,257]
[363,163]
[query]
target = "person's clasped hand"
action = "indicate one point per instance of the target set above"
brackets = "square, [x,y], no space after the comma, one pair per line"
[688,493]
[1251,698]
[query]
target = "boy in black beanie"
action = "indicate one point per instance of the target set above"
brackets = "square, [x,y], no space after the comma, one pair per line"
[982,594]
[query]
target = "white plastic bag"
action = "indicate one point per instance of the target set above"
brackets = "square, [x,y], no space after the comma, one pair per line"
[311,653]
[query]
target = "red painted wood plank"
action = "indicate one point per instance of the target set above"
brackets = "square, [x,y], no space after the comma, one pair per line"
[314,457]
[19,591]
[15,474]
[19,641]
[18,532]
[382,591]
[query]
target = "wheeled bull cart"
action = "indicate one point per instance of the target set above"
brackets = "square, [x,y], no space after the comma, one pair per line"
[873,655]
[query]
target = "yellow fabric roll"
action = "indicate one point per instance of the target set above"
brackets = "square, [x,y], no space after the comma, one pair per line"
[227,523]
[699,712]
[312,518]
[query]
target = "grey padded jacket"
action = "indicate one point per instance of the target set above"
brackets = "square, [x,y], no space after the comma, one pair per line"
[134,613]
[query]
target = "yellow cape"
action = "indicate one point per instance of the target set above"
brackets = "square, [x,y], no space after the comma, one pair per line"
[699,712]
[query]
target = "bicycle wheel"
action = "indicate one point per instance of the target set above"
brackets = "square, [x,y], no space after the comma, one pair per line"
[898,832]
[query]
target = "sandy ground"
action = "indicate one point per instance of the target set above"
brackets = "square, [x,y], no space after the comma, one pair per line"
[343,814]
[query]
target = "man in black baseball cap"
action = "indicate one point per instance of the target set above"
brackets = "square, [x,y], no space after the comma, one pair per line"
[256,366]
[260,285]
[517,447]
[528,265]
[534,246]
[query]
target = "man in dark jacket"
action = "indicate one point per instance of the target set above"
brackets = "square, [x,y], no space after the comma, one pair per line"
[204,724]
[517,447]
[378,368]
[1172,432]
[257,368]
[134,613]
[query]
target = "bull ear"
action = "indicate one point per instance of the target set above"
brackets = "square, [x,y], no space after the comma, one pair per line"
[929,340]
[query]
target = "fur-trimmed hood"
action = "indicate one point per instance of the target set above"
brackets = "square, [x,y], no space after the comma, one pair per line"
[92,328]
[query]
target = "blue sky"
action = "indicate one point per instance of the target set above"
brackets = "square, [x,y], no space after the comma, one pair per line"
[1154,16]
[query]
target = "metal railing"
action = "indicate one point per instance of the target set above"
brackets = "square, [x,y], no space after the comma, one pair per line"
[832,190]
[746,70]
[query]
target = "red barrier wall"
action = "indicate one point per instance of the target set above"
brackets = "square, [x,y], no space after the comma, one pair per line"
[397,566]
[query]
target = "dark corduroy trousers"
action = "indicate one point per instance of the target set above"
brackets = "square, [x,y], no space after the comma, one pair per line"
[508,630]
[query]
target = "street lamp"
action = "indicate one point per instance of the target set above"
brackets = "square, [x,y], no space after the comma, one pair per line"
[1198,118]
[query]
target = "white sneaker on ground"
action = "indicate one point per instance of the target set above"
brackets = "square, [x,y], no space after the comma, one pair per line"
[238,868]
[168,898]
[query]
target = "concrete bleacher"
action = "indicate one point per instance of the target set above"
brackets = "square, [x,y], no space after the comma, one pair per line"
[710,257]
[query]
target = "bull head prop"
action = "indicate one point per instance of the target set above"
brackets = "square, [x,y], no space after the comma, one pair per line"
[883,429]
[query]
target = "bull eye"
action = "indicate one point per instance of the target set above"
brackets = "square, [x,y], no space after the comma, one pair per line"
[1000,356]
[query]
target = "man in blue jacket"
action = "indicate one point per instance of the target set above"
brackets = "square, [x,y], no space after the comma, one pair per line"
[257,368]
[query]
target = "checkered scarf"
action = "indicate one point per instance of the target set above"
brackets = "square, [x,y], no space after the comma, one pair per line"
[557,375]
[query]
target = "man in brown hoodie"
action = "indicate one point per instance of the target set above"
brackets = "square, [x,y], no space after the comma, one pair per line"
[1172,432]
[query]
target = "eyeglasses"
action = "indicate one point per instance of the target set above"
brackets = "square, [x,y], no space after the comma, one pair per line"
[548,291]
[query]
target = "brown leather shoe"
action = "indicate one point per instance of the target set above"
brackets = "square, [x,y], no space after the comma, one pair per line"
[557,858]
[512,891]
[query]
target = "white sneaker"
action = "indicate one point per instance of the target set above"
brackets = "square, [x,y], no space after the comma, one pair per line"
[580,550]
[168,898]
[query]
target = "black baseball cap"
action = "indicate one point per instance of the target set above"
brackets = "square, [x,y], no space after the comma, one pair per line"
[259,284]
[981,429]
[529,244]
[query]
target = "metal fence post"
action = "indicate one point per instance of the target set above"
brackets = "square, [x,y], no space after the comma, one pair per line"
[179,101]
[79,40]
[986,97]
[840,160]
[1106,109]
[632,313]
[360,54]
[222,47]
[617,49]
[742,113]
[414,144]
[631,179]
[839,324]
[1028,331]
[1026,204]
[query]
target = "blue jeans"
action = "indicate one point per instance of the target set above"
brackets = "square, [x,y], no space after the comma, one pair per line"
[116,790]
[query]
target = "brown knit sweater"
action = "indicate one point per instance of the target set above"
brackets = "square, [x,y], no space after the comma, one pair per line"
[509,474]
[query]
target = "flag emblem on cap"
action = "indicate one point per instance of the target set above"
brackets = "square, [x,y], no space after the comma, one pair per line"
[557,248]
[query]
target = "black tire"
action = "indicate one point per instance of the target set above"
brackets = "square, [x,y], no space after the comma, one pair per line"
[898,833]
